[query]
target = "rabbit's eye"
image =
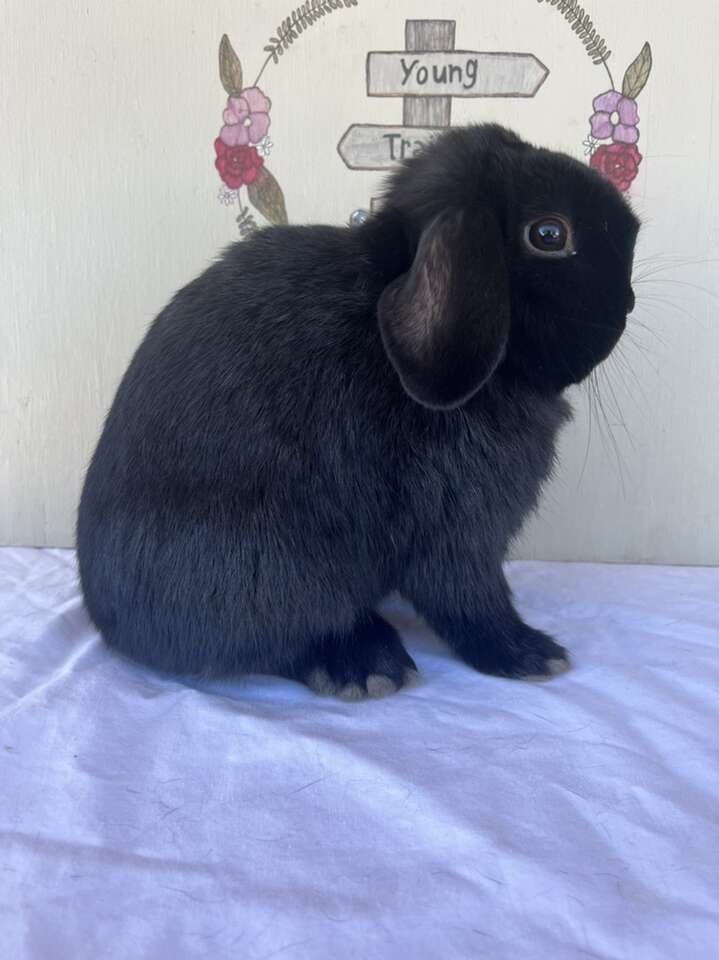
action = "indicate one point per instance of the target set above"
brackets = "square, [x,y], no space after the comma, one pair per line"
[550,236]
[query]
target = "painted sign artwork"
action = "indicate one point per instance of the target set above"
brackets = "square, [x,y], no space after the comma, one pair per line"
[425,76]
[460,73]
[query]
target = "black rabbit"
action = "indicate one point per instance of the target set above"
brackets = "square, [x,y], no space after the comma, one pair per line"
[328,415]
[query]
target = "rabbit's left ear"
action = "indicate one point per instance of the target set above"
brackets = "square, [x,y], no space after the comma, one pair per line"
[445,322]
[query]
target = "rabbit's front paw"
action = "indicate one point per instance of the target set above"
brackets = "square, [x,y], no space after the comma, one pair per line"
[530,655]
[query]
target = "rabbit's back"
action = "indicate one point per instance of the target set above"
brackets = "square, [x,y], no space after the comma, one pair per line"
[213,525]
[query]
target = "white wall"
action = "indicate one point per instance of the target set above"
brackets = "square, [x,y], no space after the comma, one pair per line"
[109,203]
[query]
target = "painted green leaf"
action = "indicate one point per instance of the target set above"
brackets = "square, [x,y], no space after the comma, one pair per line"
[230,68]
[637,73]
[266,196]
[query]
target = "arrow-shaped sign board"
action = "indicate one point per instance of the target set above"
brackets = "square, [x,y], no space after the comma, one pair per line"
[453,73]
[369,146]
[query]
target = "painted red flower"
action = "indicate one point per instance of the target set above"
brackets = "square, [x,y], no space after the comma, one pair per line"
[618,163]
[237,165]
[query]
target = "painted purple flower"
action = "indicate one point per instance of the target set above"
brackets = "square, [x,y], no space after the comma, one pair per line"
[614,116]
[246,118]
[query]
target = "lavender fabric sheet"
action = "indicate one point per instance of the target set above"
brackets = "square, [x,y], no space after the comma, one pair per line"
[466,817]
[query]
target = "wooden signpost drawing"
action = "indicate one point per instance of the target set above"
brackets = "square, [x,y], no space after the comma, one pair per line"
[428,74]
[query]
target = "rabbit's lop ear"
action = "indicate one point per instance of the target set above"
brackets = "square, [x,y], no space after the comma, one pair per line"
[445,322]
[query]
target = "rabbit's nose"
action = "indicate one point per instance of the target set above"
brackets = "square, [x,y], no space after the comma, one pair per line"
[630,300]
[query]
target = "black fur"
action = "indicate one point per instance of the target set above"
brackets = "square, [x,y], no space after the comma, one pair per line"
[278,458]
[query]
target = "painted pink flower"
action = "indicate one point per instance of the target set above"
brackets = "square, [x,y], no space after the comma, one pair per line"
[615,116]
[246,117]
